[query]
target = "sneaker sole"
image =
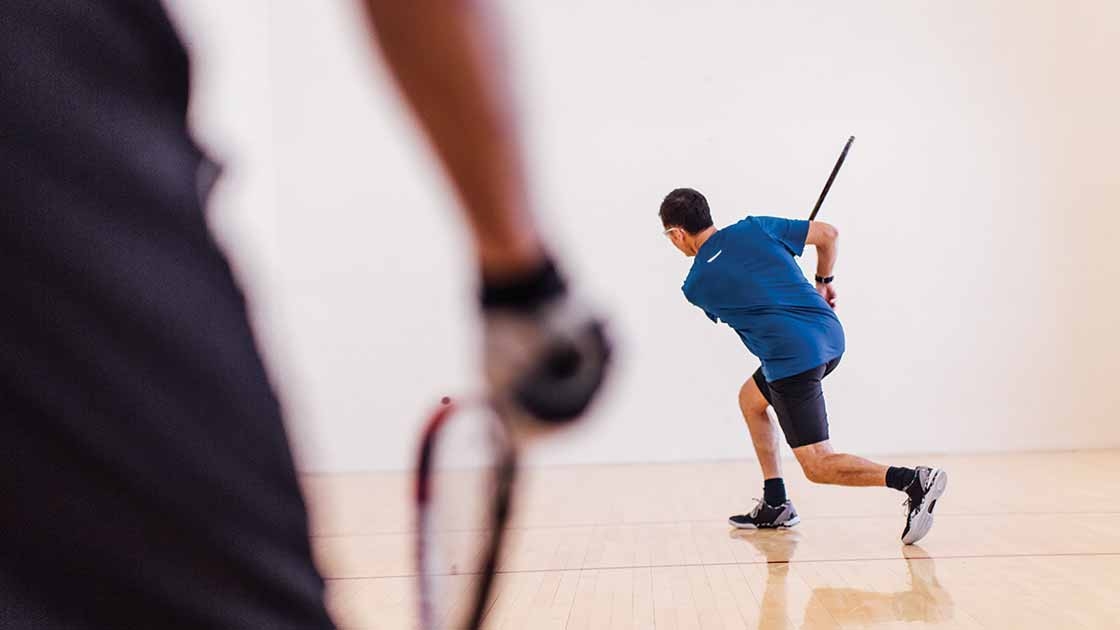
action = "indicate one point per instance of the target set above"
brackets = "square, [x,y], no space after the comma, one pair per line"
[786,525]
[923,521]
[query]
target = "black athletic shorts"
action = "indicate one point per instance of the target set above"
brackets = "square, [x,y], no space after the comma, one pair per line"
[145,476]
[799,402]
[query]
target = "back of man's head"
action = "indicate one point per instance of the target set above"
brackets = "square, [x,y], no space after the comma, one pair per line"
[687,209]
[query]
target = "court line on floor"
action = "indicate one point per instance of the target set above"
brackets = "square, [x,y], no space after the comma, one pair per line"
[767,562]
[397,532]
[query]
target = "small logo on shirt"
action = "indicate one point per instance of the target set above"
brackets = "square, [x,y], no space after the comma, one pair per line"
[716,256]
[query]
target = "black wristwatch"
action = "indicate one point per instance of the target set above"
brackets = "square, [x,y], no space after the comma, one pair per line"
[827,280]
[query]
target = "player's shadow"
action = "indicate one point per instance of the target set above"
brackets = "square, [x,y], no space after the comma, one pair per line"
[787,585]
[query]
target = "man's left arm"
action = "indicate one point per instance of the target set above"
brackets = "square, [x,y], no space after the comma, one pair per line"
[824,237]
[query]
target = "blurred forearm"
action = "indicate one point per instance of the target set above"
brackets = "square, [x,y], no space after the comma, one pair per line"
[447,58]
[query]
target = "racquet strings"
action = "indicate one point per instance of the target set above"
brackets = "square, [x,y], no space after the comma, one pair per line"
[456,533]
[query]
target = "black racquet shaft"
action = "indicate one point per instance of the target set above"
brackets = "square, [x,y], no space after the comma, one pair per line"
[832,176]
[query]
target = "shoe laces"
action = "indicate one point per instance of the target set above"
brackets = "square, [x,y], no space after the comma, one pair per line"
[757,507]
[908,502]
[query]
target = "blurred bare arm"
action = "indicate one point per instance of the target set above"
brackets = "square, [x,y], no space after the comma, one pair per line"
[448,60]
[545,355]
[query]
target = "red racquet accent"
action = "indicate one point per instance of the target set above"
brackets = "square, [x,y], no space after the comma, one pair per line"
[505,472]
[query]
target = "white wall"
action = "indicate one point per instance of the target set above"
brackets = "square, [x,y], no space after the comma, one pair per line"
[978,209]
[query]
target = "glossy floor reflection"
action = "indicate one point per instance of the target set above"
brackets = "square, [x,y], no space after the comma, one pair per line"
[827,599]
[604,547]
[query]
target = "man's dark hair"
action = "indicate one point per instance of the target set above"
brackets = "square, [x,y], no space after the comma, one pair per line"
[687,209]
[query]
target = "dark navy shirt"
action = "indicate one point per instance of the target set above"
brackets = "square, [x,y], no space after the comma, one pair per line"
[745,275]
[145,476]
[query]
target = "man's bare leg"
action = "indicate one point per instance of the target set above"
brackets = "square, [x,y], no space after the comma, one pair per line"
[824,465]
[764,432]
[774,509]
[923,485]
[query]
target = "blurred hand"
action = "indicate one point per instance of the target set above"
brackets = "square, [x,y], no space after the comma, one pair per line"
[546,357]
[828,293]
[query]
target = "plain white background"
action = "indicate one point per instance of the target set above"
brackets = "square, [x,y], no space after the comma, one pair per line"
[978,213]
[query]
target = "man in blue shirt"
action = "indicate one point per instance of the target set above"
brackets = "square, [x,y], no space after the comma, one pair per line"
[746,276]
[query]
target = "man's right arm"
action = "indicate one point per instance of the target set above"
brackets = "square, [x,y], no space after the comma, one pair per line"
[545,354]
[448,61]
[824,237]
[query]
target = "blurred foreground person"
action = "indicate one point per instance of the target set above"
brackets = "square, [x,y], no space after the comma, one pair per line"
[146,480]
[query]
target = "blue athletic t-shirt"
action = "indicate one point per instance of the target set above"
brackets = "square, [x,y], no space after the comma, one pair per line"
[745,275]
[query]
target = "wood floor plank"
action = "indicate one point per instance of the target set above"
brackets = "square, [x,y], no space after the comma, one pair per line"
[640,547]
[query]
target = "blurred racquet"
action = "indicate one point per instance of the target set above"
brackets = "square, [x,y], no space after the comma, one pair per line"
[469,449]
[831,177]
[464,482]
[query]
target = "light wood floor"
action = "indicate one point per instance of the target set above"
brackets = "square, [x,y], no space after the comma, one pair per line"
[1021,541]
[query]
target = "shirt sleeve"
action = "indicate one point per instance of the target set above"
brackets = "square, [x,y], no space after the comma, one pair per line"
[791,233]
[696,303]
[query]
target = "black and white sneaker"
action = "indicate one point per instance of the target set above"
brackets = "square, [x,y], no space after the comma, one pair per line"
[923,492]
[765,516]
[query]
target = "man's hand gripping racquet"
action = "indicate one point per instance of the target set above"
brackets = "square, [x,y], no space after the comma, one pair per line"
[546,355]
